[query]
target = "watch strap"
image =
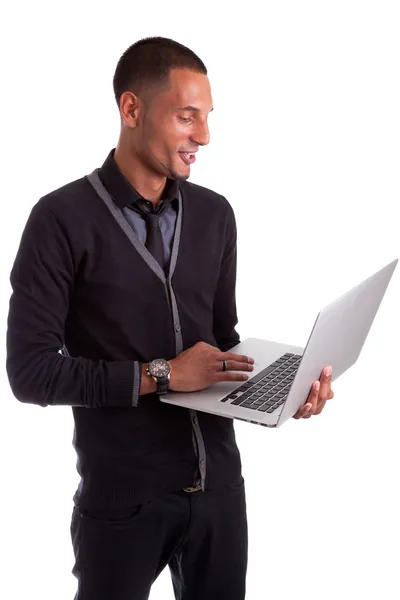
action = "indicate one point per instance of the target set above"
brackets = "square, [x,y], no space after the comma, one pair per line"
[162,385]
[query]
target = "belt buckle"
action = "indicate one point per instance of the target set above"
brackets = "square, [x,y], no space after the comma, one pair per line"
[195,488]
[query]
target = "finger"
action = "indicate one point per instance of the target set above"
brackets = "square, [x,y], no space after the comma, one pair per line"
[233,365]
[310,405]
[320,407]
[321,403]
[299,414]
[304,411]
[308,409]
[313,397]
[235,357]
[325,381]
[230,376]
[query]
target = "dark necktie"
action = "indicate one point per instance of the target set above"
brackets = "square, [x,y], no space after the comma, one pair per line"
[154,240]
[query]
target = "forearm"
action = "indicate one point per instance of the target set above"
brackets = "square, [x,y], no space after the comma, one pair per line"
[44,377]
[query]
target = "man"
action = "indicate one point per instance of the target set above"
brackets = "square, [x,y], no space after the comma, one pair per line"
[123,287]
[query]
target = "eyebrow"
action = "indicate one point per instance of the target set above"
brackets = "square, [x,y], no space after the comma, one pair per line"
[192,108]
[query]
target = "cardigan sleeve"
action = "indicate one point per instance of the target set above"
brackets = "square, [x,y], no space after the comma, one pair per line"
[225,314]
[39,372]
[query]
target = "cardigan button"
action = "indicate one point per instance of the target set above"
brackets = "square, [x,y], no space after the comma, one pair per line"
[177,328]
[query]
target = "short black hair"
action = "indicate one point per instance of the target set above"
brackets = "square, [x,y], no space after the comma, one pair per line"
[147,65]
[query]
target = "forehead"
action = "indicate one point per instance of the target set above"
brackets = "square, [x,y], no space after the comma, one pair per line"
[187,89]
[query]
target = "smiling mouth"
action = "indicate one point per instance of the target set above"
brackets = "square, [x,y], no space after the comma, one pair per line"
[187,157]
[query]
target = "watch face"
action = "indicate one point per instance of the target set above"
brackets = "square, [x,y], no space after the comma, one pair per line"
[159,368]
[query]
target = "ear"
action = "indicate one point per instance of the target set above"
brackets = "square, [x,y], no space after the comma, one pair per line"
[130,107]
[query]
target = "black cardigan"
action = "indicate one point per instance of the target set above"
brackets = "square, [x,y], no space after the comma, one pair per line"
[87,308]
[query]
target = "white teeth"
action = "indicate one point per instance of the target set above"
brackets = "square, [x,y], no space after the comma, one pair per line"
[187,155]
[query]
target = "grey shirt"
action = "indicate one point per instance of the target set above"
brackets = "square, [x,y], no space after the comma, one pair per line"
[167,223]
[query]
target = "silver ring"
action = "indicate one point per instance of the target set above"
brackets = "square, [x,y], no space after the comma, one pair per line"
[223,365]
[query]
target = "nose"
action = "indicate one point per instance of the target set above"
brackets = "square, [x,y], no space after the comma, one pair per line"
[201,135]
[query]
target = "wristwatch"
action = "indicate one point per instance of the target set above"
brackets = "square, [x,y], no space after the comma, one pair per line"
[160,370]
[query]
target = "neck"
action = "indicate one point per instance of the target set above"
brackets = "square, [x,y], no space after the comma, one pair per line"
[150,185]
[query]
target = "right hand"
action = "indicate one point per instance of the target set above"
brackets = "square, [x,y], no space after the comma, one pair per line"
[200,366]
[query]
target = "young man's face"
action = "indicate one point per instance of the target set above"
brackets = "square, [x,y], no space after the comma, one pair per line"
[175,122]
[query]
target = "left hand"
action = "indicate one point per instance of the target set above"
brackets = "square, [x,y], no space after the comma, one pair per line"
[320,392]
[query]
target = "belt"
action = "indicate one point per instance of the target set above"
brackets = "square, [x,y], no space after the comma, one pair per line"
[195,488]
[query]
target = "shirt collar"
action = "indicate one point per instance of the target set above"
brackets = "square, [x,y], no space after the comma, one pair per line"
[122,191]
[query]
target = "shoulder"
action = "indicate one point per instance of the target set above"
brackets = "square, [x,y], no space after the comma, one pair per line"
[69,199]
[203,197]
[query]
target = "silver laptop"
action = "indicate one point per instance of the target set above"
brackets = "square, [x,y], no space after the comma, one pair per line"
[283,374]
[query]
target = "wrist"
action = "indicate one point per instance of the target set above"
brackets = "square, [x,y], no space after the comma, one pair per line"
[174,377]
[147,384]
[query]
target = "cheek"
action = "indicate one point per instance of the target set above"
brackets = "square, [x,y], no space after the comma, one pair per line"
[163,141]
[154,149]
[175,134]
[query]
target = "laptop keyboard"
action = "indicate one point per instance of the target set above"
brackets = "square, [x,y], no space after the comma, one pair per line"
[267,390]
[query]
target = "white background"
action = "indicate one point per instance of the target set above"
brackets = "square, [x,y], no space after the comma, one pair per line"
[305,145]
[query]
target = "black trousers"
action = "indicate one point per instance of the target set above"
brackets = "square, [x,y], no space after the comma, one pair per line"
[201,536]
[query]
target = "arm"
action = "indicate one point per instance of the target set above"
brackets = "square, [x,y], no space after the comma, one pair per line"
[225,315]
[42,280]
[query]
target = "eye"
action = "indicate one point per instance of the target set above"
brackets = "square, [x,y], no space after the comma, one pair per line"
[185,119]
